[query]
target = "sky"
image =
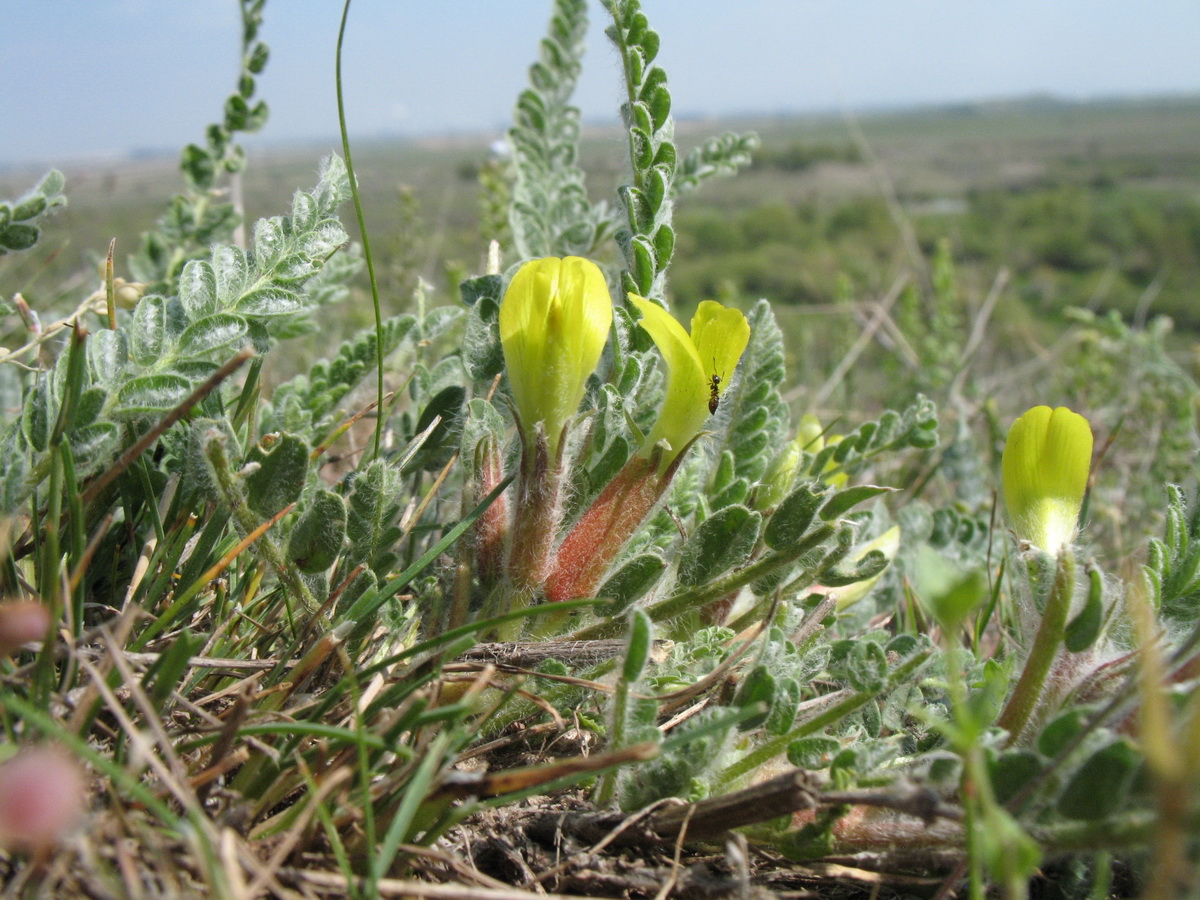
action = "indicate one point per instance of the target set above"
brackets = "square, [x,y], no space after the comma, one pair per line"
[88,79]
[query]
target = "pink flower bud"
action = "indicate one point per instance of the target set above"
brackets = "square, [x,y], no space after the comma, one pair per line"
[22,621]
[41,798]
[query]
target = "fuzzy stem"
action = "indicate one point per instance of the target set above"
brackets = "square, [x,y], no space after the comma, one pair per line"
[1130,830]
[598,537]
[607,788]
[1028,692]
[773,747]
[971,785]
[703,594]
[641,636]
[491,529]
[247,521]
[535,521]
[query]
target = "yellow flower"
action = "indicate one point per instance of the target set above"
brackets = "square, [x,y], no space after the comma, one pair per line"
[554,322]
[1044,471]
[699,367]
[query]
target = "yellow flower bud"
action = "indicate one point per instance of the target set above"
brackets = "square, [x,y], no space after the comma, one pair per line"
[1044,473]
[810,436]
[554,322]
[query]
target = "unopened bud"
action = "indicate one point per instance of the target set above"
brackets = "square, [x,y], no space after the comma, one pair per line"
[22,621]
[41,798]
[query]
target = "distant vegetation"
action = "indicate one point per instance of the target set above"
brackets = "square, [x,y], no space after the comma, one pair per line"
[800,155]
[1093,242]
[1094,205]
[1091,207]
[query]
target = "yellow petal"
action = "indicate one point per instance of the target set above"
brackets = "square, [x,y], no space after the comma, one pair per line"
[720,335]
[699,367]
[809,434]
[685,407]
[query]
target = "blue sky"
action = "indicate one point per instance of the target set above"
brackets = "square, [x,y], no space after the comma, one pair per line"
[85,78]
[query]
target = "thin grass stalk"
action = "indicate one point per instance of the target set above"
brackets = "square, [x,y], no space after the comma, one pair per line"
[362,228]
[168,617]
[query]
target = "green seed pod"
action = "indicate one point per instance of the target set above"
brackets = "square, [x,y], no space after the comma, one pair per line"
[641,636]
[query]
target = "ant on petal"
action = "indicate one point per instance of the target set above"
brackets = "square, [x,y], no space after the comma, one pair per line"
[714,391]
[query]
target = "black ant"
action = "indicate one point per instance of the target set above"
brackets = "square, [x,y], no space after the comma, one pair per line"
[714,389]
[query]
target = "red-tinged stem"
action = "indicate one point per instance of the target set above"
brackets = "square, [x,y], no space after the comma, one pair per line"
[594,542]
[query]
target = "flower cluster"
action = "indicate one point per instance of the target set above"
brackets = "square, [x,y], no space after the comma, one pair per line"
[555,320]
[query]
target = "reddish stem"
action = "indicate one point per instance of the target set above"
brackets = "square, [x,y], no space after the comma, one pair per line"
[599,536]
